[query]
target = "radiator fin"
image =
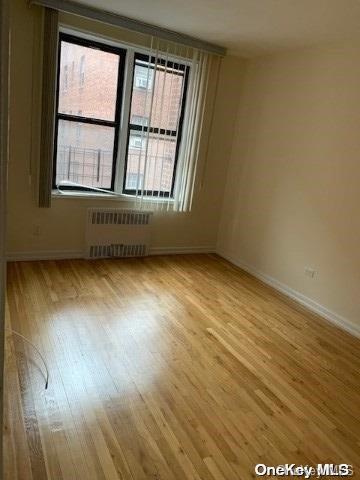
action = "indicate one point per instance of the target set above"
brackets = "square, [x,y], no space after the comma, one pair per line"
[120,218]
[117,251]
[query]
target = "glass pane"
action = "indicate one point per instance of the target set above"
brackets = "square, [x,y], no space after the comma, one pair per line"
[85,153]
[161,158]
[88,82]
[166,100]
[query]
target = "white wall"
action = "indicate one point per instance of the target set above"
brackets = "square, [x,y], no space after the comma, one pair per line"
[292,198]
[62,226]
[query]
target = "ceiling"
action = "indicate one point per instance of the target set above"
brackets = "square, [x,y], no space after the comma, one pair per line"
[248,27]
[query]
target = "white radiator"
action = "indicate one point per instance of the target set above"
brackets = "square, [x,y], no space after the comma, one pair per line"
[112,232]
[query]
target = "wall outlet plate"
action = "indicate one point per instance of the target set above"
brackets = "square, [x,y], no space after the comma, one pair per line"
[310,272]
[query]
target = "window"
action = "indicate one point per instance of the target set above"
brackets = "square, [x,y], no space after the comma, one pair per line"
[132,181]
[86,143]
[78,129]
[136,141]
[65,82]
[82,71]
[140,120]
[143,78]
[157,136]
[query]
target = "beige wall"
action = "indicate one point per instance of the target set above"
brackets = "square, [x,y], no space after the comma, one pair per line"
[4,66]
[293,191]
[62,226]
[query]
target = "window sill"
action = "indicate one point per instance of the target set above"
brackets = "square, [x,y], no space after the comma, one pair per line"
[103,196]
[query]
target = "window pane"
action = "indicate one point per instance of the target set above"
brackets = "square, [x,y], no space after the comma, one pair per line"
[139,120]
[161,159]
[85,153]
[166,100]
[88,81]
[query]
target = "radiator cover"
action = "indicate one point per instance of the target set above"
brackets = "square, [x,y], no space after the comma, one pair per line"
[113,232]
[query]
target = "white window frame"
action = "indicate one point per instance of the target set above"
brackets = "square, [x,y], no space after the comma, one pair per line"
[125,111]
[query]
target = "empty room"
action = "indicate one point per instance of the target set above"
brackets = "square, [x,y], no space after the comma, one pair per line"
[179,239]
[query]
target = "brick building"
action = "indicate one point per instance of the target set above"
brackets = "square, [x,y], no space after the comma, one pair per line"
[88,88]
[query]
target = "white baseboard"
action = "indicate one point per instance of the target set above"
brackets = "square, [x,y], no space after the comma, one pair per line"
[68,254]
[180,250]
[44,255]
[307,302]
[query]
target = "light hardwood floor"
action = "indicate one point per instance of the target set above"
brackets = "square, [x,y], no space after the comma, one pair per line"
[180,367]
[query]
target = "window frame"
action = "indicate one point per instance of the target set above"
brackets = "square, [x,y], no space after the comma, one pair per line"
[116,123]
[183,66]
[124,98]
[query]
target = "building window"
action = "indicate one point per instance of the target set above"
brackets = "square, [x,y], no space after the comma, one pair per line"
[132,181]
[65,82]
[140,120]
[143,78]
[82,71]
[86,143]
[136,141]
[78,129]
[87,149]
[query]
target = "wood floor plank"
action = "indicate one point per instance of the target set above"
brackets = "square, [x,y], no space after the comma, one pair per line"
[171,368]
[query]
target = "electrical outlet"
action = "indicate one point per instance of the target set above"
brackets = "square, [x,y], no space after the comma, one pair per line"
[310,272]
[37,230]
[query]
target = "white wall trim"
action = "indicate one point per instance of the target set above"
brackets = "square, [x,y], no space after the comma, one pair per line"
[181,250]
[44,255]
[69,254]
[307,302]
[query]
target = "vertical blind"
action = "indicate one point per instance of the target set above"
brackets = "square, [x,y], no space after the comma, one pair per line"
[48,106]
[157,105]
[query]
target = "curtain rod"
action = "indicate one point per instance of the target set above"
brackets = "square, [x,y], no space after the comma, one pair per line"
[82,10]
